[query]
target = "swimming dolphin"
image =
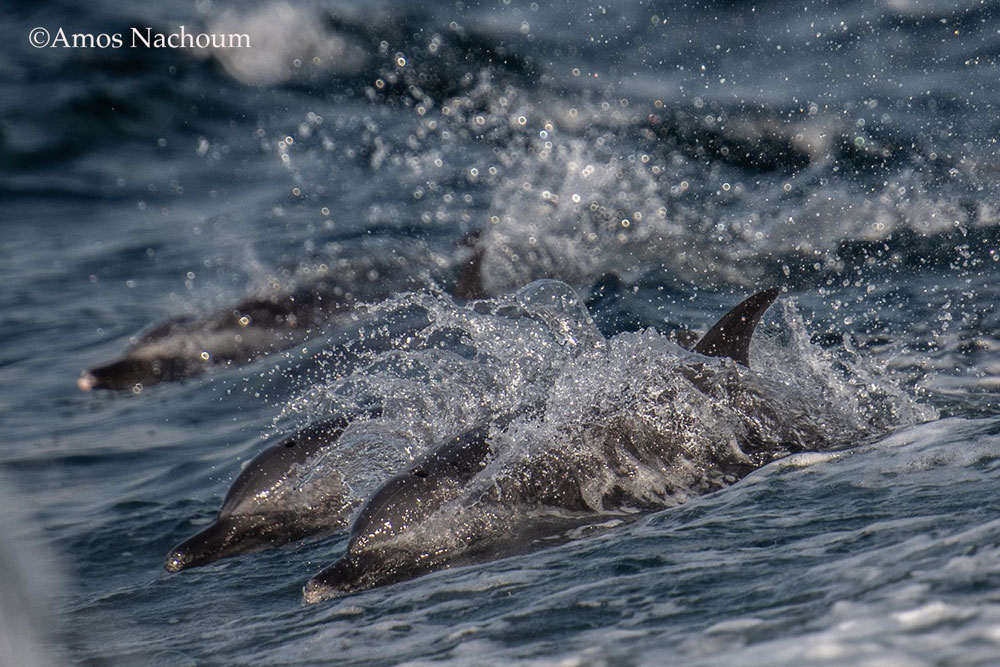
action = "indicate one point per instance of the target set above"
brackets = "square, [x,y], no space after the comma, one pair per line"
[187,346]
[431,516]
[274,500]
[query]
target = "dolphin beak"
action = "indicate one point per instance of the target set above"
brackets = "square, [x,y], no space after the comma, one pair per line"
[316,591]
[177,560]
[209,545]
[86,381]
[345,576]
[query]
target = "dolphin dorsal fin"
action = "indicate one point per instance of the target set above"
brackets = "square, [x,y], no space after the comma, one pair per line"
[730,337]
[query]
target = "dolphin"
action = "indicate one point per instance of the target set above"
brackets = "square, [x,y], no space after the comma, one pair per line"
[187,345]
[275,500]
[433,515]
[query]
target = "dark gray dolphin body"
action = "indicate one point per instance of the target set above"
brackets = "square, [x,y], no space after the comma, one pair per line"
[188,346]
[413,525]
[272,502]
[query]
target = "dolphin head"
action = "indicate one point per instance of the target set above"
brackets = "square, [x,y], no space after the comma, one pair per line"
[131,371]
[379,552]
[226,537]
[363,570]
[237,535]
[351,573]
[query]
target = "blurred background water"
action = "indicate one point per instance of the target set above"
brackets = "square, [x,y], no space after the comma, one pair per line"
[846,151]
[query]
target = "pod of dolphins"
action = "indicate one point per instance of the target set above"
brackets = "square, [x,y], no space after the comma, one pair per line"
[424,519]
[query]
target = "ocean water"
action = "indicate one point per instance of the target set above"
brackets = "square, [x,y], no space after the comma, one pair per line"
[846,152]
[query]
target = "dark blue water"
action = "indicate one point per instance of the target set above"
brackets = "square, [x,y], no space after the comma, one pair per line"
[845,151]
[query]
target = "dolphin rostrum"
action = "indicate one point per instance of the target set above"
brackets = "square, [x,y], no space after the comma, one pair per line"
[433,516]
